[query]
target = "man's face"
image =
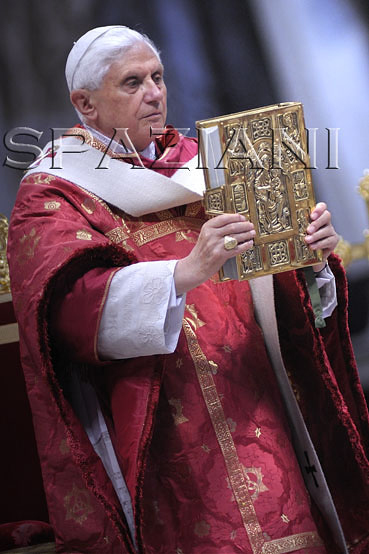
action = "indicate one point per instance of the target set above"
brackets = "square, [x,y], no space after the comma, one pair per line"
[132,95]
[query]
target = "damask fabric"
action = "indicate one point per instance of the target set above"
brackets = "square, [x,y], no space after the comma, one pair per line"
[200,434]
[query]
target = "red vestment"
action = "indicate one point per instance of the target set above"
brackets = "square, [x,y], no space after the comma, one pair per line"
[200,434]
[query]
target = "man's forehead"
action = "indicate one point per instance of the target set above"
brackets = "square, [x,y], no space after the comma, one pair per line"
[138,58]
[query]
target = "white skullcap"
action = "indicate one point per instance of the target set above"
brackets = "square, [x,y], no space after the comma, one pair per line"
[80,48]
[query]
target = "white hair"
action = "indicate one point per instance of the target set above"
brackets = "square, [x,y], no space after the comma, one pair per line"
[91,67]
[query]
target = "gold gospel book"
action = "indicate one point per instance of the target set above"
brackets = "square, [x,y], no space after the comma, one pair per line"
[256,163]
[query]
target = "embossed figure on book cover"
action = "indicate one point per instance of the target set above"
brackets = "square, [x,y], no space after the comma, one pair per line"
[256,163]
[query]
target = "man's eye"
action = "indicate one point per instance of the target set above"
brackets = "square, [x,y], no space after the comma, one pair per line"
[132,83]
[158,78]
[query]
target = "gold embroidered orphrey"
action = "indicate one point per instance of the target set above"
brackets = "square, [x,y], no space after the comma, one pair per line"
[262,172]
[4,269]
[237,474]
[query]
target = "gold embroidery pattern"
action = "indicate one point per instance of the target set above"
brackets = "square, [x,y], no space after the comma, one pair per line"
[101,202]
[256,486]
[82,234]
[78,505]
[178,415]
[89,205]
[117,235]
[28,245]
[193,209]
[42,179]
[163,215]
[235,470]
[202,528]
[4,269]
[52,205]
[164,228]
[292,543]
[214,367]
[184,235]
[194,320]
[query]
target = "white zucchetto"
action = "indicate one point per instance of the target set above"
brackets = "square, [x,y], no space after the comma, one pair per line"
[80,48]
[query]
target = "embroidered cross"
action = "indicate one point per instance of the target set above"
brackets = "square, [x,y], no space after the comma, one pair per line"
[310,468]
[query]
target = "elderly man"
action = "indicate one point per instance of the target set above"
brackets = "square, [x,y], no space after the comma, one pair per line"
[159,420]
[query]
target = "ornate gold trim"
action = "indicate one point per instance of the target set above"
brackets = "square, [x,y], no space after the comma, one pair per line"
[233,465]
[117,235]
[4,269]
[292,543]
[234,468]
[166,227]
[101,202]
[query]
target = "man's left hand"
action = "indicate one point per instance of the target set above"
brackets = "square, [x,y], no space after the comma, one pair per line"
[321,234]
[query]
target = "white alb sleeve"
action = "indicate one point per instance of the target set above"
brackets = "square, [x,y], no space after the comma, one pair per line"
[142,315]
[327,290]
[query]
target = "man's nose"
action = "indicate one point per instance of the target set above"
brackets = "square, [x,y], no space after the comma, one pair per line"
[153,91]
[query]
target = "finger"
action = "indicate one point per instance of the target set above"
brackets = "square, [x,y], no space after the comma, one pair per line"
[321,233]
[326,244]
[318,210]
[323,220]
[236,228]
[244,237]
[224,219]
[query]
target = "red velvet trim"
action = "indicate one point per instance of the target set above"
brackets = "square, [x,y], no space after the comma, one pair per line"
[341,320]
[146,436]
[80,262]
[327,371]
[323,372]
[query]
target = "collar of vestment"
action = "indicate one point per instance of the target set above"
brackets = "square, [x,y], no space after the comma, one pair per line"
[131,187]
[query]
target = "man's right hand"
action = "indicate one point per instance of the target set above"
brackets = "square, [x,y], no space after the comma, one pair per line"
[209,253]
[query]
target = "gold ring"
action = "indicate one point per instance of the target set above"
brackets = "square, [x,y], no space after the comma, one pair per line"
[230,243]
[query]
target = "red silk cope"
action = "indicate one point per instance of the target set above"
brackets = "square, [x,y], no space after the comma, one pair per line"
[200,434]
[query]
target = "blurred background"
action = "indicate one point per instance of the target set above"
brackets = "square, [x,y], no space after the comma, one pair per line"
[220,57]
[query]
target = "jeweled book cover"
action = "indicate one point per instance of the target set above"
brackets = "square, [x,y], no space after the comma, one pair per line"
[256,163]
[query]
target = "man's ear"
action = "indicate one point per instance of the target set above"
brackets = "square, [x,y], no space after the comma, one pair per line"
[81,100]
